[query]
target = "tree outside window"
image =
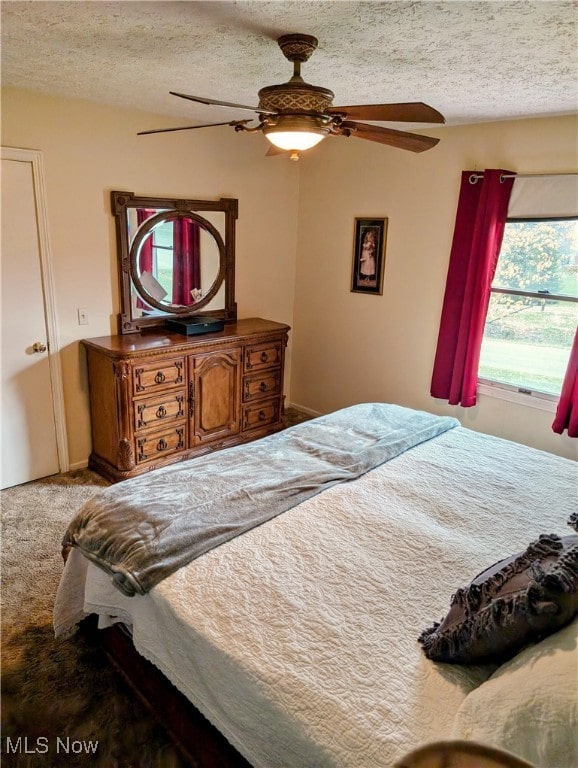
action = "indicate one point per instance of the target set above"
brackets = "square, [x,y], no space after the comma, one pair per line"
[533,309]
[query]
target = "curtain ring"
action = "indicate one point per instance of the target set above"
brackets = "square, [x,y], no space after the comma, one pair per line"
[474,178]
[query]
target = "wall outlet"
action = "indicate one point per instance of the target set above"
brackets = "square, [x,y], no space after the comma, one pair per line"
[82,316]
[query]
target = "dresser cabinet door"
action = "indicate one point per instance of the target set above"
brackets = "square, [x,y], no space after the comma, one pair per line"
[214,386]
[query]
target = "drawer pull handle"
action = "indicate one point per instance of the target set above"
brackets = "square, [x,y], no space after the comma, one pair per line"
[161,412]
[262,415]
[162,445]
[264,357]
[160,377]
[263,386]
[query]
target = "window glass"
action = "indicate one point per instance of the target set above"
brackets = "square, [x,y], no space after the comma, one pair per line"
[539,256]
[533,308]
[163,255]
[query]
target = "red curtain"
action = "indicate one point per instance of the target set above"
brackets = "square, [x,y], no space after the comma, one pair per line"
[146,251]
[567,411]
[186,260]
[478,233]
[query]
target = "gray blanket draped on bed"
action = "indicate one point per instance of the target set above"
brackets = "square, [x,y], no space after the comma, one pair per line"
[142,530]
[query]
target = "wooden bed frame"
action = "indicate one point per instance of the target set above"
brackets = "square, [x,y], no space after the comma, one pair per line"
[198,741]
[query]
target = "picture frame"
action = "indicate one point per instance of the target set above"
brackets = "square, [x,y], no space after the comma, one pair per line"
[368,255]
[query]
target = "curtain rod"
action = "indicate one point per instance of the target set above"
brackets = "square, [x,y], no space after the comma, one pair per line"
[475,176]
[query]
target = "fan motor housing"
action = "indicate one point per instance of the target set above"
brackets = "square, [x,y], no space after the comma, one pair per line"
[297,47]
[295,97]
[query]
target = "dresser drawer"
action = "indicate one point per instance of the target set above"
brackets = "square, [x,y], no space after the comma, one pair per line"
[160,443]
[258,357]
[261,414]
[162,374]
[263,385]
[160,409]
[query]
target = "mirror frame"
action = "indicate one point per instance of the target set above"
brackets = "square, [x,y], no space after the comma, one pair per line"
[126,250]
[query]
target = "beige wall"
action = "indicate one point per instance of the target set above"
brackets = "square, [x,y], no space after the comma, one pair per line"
[349,347]
[89,150]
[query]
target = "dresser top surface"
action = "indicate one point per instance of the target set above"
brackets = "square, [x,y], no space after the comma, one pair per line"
[149,341]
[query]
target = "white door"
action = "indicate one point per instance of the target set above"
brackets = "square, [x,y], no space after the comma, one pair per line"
[31,425]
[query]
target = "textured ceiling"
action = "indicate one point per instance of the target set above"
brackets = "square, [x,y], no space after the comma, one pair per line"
[473,61]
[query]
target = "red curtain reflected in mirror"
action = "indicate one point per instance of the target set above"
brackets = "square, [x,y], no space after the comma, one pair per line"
[186,260]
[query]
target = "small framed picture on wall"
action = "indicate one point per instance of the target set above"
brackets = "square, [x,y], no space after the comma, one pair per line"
[368,256]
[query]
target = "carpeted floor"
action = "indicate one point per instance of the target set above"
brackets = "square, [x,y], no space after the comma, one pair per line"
[60,695]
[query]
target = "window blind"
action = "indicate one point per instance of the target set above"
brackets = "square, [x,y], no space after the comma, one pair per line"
[544,197]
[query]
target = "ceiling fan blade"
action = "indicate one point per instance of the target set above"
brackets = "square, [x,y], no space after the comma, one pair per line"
[192,127]
[203,100]
[410,112]
[414,142]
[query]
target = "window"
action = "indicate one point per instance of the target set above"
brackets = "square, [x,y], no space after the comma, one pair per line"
[533,308]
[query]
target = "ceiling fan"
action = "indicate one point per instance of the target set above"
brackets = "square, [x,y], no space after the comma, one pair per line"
[296,115]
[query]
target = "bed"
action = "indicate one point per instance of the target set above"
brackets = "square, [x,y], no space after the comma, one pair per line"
[296,635]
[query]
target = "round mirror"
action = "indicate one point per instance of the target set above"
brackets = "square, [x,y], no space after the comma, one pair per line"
[177,262]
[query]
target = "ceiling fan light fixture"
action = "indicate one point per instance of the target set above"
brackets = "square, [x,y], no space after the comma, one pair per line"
[295,132]
[294,140]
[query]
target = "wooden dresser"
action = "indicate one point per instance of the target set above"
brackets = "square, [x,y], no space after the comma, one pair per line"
[159,397]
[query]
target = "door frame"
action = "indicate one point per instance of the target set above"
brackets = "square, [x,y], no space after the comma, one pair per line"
[34,157]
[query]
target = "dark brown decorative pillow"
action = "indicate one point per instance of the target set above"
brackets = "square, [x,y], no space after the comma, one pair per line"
[515,602]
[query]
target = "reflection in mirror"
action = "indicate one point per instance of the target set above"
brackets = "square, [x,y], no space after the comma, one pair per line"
[177,263]
[176,257]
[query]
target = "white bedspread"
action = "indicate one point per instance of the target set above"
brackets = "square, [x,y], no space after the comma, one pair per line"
[298,640]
